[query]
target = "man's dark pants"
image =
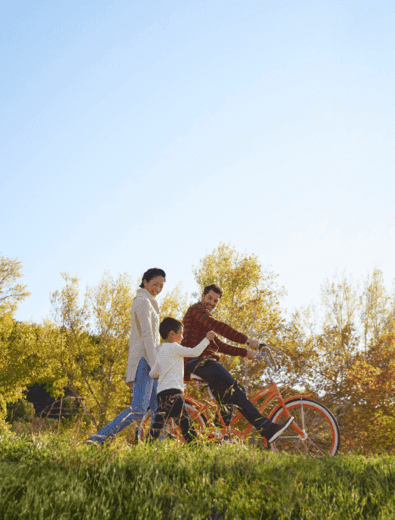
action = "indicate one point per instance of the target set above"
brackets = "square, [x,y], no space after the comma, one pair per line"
[225,389]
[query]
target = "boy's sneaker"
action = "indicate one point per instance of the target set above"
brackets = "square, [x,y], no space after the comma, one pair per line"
[275,430]
[92,442]
[89,442]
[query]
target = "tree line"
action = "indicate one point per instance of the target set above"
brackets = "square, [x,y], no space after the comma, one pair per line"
[340,350]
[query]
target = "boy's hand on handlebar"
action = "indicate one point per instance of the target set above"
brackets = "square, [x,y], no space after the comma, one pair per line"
[251,354]
[210,335]
[253,343]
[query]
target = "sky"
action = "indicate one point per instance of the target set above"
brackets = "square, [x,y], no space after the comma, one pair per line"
[144,134]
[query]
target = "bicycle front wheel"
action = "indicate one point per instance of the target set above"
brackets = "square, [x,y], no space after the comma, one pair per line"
[171,431]
[321,436]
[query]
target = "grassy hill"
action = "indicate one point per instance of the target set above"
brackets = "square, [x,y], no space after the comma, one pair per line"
[53,477]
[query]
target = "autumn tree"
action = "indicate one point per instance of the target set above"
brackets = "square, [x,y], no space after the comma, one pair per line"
[11,290]
[173,304]
[370,418]
[250,303]
[92,345]
[330,344]
[345,358]
[12,352]
[376,309]
[370,381]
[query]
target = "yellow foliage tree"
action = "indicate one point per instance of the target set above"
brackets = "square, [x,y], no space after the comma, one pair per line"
[345,357]
[370,385]
[12,352]
[330,346]
[250,303]
[92,344]
[173,304]
[376,309]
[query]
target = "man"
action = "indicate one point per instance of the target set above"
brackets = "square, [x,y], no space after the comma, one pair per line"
[197,322]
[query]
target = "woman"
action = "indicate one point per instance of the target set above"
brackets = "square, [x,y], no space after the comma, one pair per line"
[143,343]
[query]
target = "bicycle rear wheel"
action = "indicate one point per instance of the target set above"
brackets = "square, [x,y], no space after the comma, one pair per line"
[171,430]
[321,432]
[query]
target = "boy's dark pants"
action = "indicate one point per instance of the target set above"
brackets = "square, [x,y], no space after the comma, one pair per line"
[171,405]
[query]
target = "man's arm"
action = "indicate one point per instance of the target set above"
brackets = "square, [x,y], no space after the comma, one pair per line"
[229,350]
[202,316]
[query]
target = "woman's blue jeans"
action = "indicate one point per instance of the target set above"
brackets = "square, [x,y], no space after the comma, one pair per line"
[144,394]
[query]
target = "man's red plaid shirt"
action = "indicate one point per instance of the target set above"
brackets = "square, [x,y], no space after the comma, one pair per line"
[198,321]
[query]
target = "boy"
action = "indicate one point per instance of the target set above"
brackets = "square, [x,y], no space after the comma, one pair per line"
[169,367]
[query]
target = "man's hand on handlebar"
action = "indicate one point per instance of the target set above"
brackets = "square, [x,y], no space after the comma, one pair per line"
[251,354]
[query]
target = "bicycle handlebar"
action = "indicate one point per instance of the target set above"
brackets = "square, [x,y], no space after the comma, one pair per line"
[268,356]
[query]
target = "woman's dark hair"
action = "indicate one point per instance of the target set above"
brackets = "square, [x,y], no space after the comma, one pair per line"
[169,325]
[152,273]
[213,287]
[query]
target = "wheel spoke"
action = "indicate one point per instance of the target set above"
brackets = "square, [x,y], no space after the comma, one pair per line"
[303,424]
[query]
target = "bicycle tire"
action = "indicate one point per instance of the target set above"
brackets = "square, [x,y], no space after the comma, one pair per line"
[322,435]
[171,431]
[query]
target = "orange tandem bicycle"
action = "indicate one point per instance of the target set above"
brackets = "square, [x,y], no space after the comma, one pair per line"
[314,430]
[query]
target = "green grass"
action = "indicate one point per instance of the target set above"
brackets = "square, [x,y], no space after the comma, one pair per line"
[54,478]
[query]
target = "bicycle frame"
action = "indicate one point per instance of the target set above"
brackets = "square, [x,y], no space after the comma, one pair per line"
[271,392]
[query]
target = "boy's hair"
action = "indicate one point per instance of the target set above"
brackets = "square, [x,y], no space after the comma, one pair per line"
[213,287]
[169,325]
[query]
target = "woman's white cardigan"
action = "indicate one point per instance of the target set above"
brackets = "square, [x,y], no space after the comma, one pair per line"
[144,333]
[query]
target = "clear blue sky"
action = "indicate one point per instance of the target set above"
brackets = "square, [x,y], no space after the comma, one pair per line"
[141,134]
